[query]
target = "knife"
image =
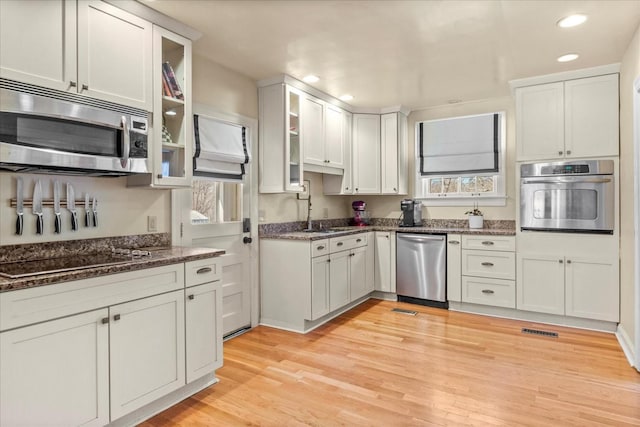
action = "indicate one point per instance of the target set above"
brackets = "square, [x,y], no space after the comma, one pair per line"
[19,206]
[95,212]
[56,207]
[37,206]
[87,212]
[71,206]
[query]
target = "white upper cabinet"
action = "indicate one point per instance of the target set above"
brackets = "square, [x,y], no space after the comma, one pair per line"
[312,128]
[366,153]
[591,110]
[38,42]
[571,119]
[334,136]
[87,47]
[393,142]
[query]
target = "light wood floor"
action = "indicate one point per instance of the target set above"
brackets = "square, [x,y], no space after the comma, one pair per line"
[374,367]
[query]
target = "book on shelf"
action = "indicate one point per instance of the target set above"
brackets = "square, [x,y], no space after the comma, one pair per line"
[172,82]
[166,90]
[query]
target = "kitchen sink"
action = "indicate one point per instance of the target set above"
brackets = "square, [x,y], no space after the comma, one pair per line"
[327,231]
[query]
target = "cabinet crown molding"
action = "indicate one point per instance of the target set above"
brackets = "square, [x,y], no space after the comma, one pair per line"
[565,75]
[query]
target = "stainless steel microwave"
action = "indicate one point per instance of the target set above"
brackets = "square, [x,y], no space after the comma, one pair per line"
[574,196]
[41,132]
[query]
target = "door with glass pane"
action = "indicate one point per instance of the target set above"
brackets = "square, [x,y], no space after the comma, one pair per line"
[223,215]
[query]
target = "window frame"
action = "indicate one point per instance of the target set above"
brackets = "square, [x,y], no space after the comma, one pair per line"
[498,197]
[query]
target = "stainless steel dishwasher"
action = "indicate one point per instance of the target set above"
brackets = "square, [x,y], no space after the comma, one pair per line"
[421,269]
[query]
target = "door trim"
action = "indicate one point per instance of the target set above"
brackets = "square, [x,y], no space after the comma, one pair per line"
[636,175]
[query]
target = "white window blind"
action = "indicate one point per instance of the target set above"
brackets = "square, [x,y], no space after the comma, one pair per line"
[221,149]
[460,145]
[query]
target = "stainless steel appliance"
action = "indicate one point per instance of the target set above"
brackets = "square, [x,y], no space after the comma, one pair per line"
[49,131]
[574,196]
[421,269]
[411,213]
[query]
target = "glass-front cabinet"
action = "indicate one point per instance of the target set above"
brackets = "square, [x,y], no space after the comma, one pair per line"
[172,143]
[281,146]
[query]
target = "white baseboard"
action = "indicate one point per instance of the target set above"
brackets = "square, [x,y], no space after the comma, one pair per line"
[627,345]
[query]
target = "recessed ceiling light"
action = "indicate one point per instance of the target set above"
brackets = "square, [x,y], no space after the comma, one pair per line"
[310,78]
[572,21]
[568,57]
[346,97]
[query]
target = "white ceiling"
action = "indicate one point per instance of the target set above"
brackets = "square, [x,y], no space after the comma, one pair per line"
[412,53]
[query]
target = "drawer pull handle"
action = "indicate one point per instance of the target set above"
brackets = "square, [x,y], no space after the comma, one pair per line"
[104,321]
[487,264]
[191,296]
[116,317]
[340,243]
[358,240]
[204,270]
[454,242]
[487,243]
[321,247]
[487,291]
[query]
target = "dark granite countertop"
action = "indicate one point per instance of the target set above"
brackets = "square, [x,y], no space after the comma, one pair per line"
[160,256]
[291,231]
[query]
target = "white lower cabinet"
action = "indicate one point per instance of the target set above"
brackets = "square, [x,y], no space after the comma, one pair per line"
[203,331]
[488,270]
[125,349]
[385,261]
[454,267]
[56,372]
[564,284]
[305,281]
[146,351]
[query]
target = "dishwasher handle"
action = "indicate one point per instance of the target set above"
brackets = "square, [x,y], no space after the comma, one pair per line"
[418,238]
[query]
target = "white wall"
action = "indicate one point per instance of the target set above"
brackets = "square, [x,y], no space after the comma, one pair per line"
[389,206]
[630,69]
[121,211]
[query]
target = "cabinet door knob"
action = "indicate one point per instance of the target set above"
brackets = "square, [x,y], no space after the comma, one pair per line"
[356,188]
[352,254]
[73,84]
[191,296]
[159,176]
[560,261]
[487,291]
[204,270]
[487,264]
[346,188]
[246,240]
[328,260]
[568,261]
[358,240]
[104,320]
[85,87]
[116,317]
[568,152]
[560,152]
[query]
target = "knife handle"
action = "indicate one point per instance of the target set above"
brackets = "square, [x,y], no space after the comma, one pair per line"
[39,224]
[95,218]
[87,219]
[58,224]
[74,221]
[20,224]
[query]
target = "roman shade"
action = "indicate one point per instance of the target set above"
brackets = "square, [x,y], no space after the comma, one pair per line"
[221,150]
[459,146]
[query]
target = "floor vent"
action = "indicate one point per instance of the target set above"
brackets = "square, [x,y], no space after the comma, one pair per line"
[403,311]
[539,332]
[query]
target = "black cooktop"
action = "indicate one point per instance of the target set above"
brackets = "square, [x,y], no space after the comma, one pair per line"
[15,270]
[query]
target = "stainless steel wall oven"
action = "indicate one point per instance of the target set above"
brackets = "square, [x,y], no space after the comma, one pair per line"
[573,196]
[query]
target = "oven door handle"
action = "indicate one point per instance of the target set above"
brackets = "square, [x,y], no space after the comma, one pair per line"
[566,180]
[126,143]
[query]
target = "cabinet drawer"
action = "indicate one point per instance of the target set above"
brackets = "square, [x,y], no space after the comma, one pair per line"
[338,244]
[27,306]
[202,271]
[498,265]
[496,292]
[489,243]
[319,248]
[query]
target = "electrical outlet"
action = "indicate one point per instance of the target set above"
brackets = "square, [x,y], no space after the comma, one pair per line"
[261,215]
[152,223]
[325,213]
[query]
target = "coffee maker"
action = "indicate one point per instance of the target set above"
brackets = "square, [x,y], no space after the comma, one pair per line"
[411,213]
